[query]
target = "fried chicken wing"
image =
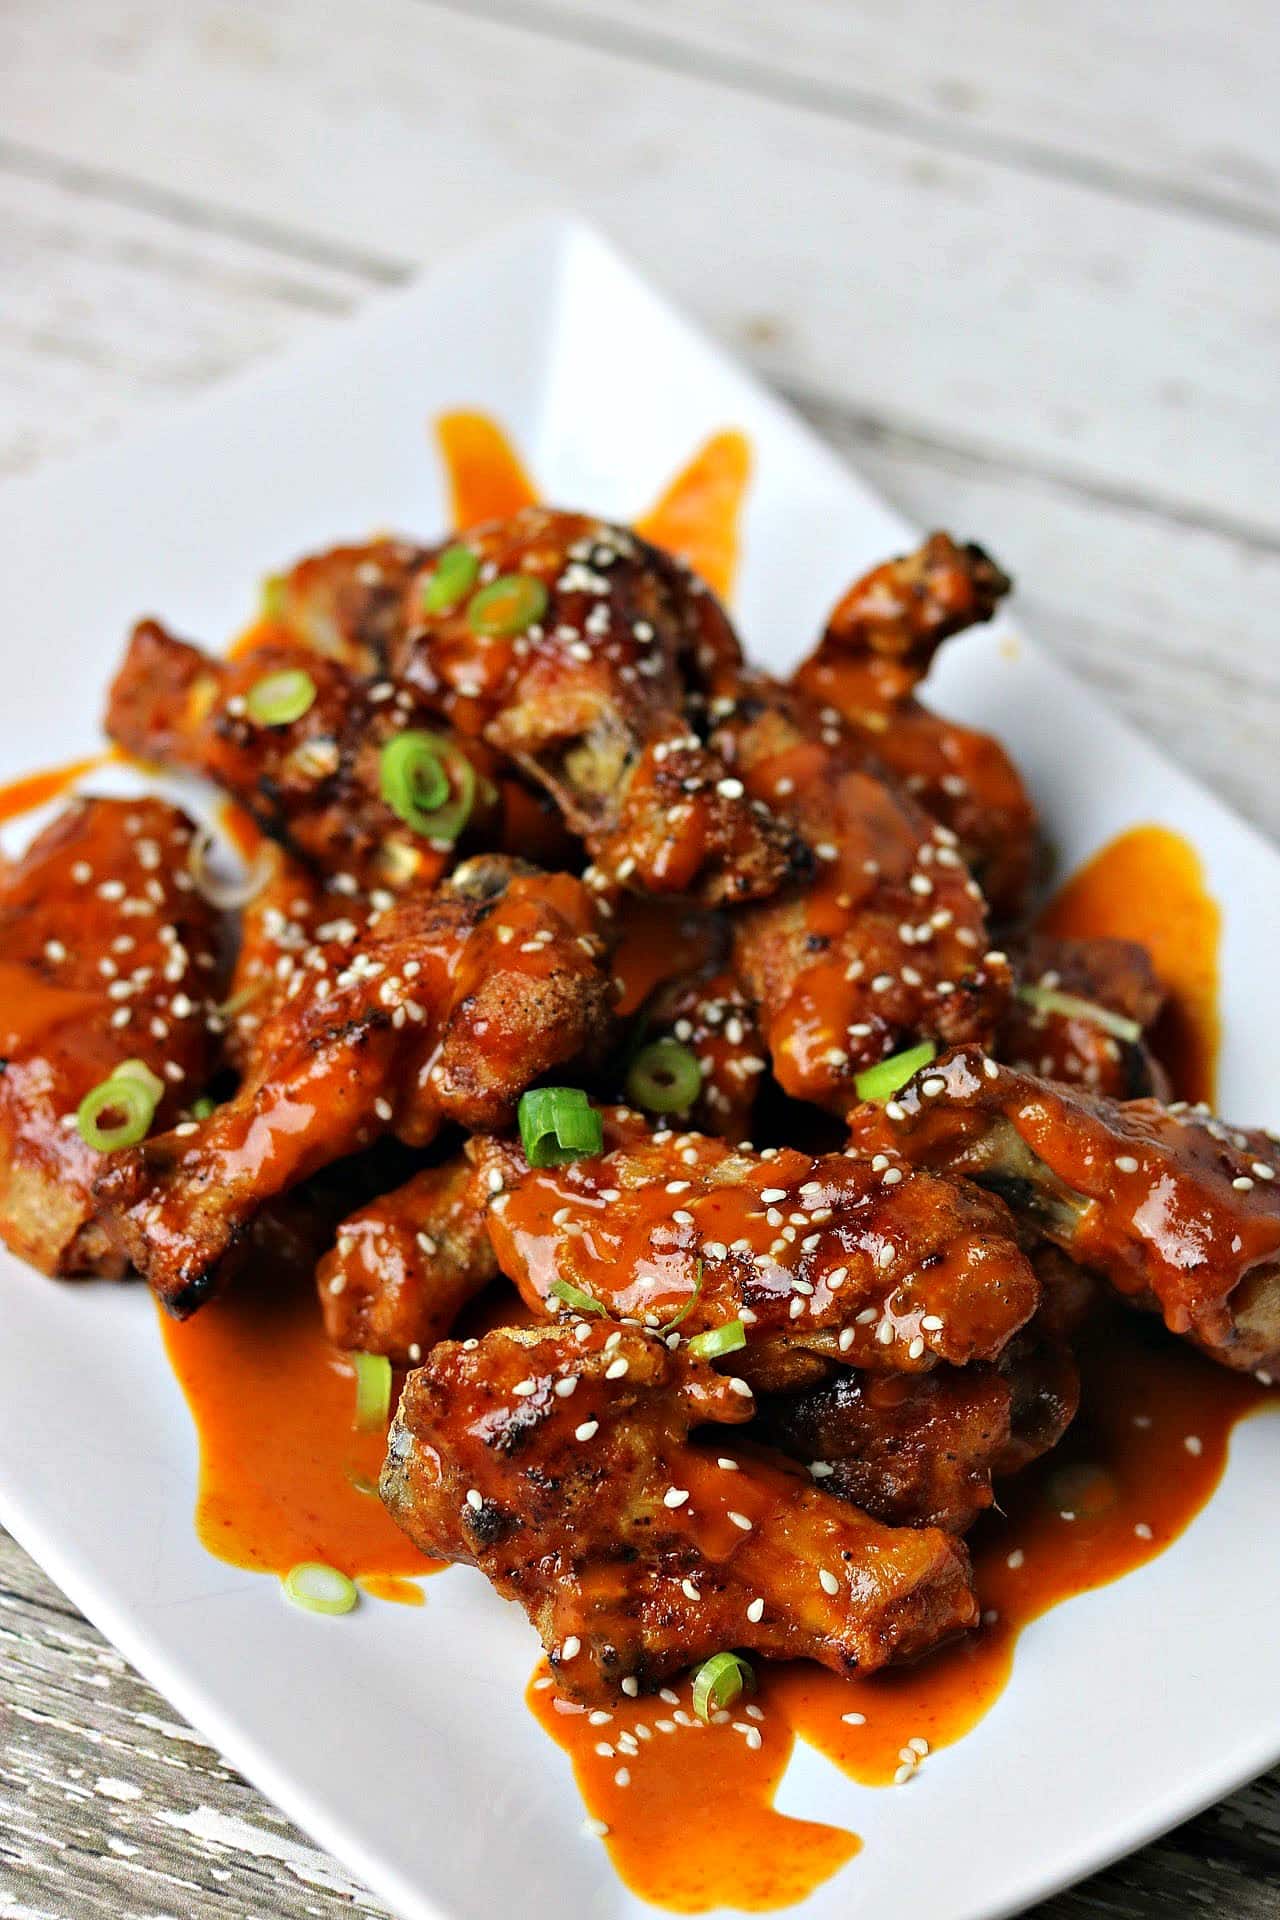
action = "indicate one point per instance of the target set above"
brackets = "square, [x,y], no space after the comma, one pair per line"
[315,783]
[828,1260]
[576,665]
[449,1006]
[879,643]
[347,603]
[559,1461]
[107,954]
[1099,1042]
[405,1266]
[890,942]
[1179,1211]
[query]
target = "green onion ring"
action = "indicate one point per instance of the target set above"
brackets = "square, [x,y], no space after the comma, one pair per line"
[1072,1007]
[508,605]
[878,1083]
[319,1588]
[373,1390]
[689,1304]
[280,698]
[576,1297]
[558,1124]
[664,1077]
[450,580]
[125,1094]
[719,1681]
[728,1338]
[419,772]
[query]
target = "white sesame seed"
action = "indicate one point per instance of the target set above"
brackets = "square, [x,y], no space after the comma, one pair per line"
[675,1497]
[474,1499]
[616,1369]
[827,1581]
[631,1686]
[1015,1559]
[854,1719]
[587,1431]
[739,1386]
[689,1591]
[571,1648]
[755,1610]
[1194,1444]
[563,1388]
[740,1520]
[1125,1163]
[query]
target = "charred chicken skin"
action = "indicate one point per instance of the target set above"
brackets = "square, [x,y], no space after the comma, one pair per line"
[448,1007]
[108,954]
[315,782]
[827,1261]
[560,1462]
[889,944]
[573,658]
[879,643]
[1179,1211]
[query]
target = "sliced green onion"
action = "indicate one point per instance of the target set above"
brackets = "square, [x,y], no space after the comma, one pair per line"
[320,1589]
[884,1079]
[507,605]
[576,1297]
[664,1077]
[558,1124]
[124,1096]
[428,781]
[1072,1007]
[280,698]
[271,596]
[203,1107]
[689,1304]
[719,1681]
[139,1070]
[728,1338]
[452,577]
[373,1390]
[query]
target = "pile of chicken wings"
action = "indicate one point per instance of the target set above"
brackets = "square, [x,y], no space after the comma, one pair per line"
[816,1209]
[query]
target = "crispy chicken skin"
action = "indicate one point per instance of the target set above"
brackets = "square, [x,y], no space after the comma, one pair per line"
[347,603]
[878,644]
[1116,975]
[449,1006]
[1180,1212]
[559,1461]
[589,699]
[889,944]
[827,1261]
[405,1266]
[714,1017]
[314,784]
[107,954]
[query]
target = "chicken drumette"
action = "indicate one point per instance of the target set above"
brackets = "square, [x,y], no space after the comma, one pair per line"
[827,1261]
[890,942]
[878,645]
[108,955]
[446,1009]
[570,646]
[1179,1211]
[559,1461]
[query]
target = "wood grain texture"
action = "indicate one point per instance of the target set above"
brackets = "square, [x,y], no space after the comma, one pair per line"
[1017,263]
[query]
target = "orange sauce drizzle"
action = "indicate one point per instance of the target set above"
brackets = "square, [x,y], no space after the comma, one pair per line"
[695,1827]
[38,789]
[698,516]
[486,476]
[283,1475]
[1148,885]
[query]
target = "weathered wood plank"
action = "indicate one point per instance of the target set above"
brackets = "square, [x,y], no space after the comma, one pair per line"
[109,1805]
[1037,318]
[1159,103]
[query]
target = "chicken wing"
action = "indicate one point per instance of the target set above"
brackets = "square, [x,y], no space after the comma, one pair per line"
[405,1266]
[890,942]
[559,1461]
[1179,1211]
[1081,1013]
[107,954]
[345,604]
[826,1261]
[879,643]
[447,1009]
[573,657]
[313,783]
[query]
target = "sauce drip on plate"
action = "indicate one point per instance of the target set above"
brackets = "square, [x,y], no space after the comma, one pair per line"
[283,1476]
[38,789]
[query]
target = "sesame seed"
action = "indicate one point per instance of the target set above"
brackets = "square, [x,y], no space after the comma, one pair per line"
[1015,1559]
[571,1648]
[827,1581]
[755,1610]
[1143,1531]
[383,1109]
[1243,1184]
[689,1591]
[1125,1163]
[587,1431]
[474,1499]
[563,1388]
[1194,1444]
[739,1386]
[729,1466]
[740,1520]
[854,1719]
[675,1497]
[617,1369]
[631,1686]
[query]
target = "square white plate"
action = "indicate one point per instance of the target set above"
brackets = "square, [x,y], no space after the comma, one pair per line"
[398,1737]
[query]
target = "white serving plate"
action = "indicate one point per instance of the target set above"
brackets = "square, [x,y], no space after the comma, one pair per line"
[398,1737]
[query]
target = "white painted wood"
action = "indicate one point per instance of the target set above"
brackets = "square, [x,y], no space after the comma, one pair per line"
[1025,316]
[1174,101]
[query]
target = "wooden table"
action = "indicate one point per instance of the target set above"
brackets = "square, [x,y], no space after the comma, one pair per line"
[1018,261]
